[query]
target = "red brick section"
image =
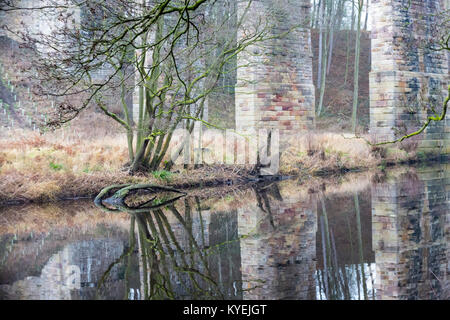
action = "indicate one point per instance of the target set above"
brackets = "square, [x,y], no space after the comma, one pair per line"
[275,89]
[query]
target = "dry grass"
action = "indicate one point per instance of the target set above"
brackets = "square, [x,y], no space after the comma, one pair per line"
[319,153]
[34,167]
[46,167]
[83,216]
[49,167]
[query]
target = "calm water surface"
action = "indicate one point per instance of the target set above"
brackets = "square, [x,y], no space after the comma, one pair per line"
[383,236]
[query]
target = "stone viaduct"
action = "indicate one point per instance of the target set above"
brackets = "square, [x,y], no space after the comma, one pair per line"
[410,234]
[275,89]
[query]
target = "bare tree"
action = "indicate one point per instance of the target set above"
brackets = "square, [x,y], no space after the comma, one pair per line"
[173,53]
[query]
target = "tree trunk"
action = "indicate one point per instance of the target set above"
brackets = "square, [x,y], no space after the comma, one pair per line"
[317,20]
[356,74]
[347,57]
[332,25]
[323,77]
[353,15]
[367,15]
[313,14]
[326,27]
[321,26]
[138,159]
[360,246]
[330,51]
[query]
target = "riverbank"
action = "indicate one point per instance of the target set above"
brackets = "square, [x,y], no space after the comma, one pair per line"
[39,169]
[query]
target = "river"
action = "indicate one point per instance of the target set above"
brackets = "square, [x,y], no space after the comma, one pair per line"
[380,236]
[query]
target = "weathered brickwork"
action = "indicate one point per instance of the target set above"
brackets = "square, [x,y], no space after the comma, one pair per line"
[410,229]
[275,87]
[406,74]
[278,260]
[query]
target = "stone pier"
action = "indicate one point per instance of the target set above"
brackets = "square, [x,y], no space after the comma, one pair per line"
[407,76]
[275,87]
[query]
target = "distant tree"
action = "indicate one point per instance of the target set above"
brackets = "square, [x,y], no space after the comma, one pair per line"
[360,5]
[349,31]
[325,20]
[367,15]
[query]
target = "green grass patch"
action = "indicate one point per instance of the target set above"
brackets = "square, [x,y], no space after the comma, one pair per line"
[55,166]
[163,175]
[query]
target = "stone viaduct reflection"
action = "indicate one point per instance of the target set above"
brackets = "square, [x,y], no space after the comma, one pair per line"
[387,241]
[279,256]
[411,235]
[276,241]
[71,273]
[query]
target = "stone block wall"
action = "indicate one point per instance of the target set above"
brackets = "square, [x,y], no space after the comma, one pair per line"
[275,87]
[407,77]
[410,228]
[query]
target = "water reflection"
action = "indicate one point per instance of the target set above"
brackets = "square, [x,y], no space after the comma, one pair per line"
[278,255]
[345,253]
[176,258]
[387,239]
[71,273]
[411,234]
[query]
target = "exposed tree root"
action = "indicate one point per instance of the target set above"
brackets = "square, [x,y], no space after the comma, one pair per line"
[116,202]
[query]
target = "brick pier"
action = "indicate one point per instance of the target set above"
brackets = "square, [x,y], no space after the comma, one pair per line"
[275,88]
[408,77]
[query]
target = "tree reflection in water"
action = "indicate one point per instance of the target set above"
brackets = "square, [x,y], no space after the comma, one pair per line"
[175,257]
[338,280]
[388,240]
[170,266]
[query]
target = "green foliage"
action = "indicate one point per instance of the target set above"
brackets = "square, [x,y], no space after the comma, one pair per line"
[55,166]
[344,155]
[383,165]
[158,201]
[162,174]
[95,168]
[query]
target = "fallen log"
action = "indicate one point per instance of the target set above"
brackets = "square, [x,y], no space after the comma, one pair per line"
[121,192]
